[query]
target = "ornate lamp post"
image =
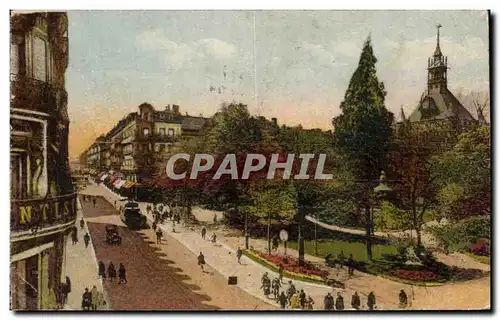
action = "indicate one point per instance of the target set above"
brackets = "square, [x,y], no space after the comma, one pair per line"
[382,191]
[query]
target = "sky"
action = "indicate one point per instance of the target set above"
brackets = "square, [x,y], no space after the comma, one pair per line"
[292,65]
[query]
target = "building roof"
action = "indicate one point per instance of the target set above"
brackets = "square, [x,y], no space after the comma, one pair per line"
[193,123]
[439,105]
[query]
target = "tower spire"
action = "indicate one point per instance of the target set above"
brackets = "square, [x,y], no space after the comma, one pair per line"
[437,52]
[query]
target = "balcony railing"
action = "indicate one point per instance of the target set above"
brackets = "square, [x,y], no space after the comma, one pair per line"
[36,214]
[36,95]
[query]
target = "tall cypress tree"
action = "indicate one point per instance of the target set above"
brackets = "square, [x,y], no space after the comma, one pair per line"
[363,130]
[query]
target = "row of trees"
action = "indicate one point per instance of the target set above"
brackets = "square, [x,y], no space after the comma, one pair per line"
[430,169]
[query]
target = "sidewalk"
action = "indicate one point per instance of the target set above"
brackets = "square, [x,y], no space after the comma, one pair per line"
[222,258]
[81,268]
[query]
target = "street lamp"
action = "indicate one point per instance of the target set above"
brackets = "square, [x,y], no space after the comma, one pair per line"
[381,191]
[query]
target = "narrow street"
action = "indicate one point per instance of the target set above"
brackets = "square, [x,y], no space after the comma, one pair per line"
[160,277]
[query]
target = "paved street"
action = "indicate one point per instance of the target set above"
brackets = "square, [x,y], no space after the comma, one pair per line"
[160,277]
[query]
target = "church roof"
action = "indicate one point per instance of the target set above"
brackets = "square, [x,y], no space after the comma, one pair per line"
[439,106]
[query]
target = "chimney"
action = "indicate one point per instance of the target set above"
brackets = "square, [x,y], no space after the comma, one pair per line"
[175,108]
[275,121]
[167,108]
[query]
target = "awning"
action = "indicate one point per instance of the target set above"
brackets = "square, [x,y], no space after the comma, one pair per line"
[100,174]
[104,177]
[115,184]
[129,184]
[113,179]
[122,182]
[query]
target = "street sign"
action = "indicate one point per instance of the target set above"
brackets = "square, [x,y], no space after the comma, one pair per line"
[284,235]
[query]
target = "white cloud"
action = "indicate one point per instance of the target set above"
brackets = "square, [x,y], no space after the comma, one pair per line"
[177,55]
[318,54]
[217,48]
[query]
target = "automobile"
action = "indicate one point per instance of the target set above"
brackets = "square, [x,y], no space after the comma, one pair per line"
[112,234]
[132,217]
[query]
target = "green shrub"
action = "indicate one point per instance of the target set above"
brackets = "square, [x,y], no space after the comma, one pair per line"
[462,234]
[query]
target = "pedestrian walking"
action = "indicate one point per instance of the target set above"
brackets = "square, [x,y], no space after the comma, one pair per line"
[203,232]
[328,301]
[102,270]
[93,201]
[403,299]
[201,260]
[266,286]
[86,239]
[302,299]
[86,300]
[214,238]
[82,223]
[341,258]
[66,289]
[159,235]
[282,300]
[74,236]
[154,226]
[339,303]
[121,274]
[290,291]
[239,253]
[276,288]
[94,297]
[115,203]
[371,301]
[294,301]
[350,265]
[111,271]
[281,271]
[309,303]
[355,301]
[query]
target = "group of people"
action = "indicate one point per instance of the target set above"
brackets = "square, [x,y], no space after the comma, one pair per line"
[212,239]
[92,300]
[289,298]
[338,304]
[111,272]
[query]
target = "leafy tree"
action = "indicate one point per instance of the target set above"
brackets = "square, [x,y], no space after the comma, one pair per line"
[390,217]
[463,174]
[273,201]
[363,130]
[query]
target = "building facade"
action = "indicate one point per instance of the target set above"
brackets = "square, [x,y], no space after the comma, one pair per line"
[136,147]
[438,107]
[43,201]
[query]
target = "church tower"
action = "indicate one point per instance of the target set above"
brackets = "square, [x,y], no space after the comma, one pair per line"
[437,67]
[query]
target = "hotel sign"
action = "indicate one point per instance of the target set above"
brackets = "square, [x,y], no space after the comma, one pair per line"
[34,214]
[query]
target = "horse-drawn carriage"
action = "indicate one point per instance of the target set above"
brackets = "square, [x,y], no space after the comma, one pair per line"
[112,235]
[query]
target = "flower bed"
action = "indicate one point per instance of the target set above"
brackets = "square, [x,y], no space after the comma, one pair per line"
[308,272]
[415,275]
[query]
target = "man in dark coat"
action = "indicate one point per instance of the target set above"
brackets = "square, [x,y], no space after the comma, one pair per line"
[403,299]
[201,261]
[74,236]
[86,239]
[281,271]
[121,274]
[355,301]
[111,271]
[86,300]
[350,265]
[328,301]
[82,223]
[282,300]
[239,253]
[302,299]
[93,201]
[203,232]
[339,303]
[159,235]
[102,270]
[371,301]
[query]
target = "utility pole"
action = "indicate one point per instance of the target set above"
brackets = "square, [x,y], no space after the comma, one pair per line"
[246,230]
[316,236]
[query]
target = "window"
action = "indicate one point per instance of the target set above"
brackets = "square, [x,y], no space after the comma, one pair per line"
[162,132]
[162,148]
[170,132]
[145,132]
[40,59]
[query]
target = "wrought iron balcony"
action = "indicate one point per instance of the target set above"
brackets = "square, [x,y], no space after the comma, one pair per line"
[36,95]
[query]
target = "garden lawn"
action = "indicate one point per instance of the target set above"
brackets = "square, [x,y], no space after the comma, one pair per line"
[482,259]
[333,247]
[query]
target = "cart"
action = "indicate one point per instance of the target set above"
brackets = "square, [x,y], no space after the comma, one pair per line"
[112,235]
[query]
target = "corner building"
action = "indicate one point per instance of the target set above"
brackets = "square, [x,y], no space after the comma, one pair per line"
[43,201]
